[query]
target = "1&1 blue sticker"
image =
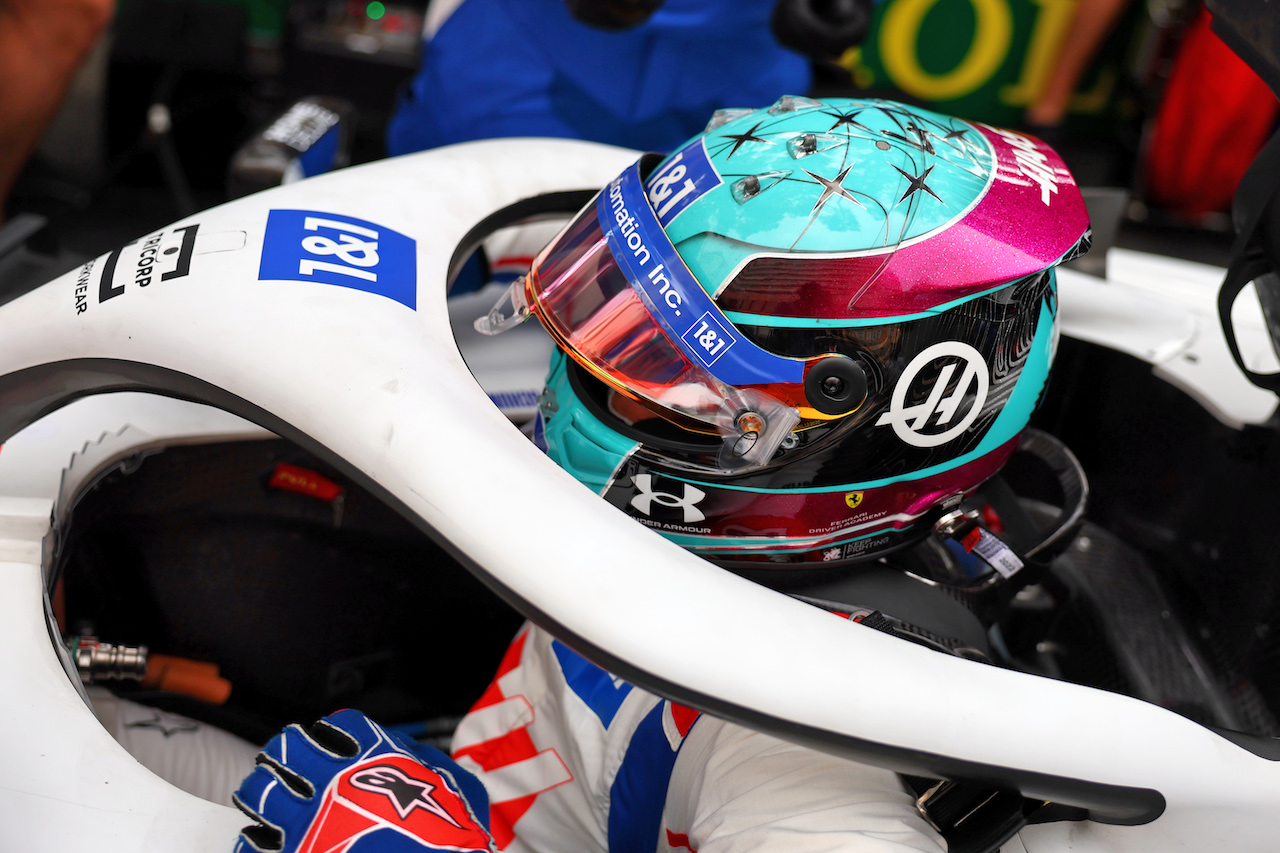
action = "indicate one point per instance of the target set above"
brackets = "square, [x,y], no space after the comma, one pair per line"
[308,245]
[683,178]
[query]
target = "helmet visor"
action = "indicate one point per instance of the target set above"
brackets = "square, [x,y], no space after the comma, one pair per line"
[586,300]
[617,296]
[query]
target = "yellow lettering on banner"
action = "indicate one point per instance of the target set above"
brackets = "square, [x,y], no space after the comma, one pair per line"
[900,40]
[1048,29]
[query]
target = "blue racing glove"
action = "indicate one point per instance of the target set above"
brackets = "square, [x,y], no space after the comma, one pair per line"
[347,785]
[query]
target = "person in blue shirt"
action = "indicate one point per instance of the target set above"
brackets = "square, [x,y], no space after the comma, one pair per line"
[643,74]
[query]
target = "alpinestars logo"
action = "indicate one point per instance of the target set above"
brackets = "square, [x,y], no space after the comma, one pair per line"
[687,500]
[404,792]
[940,408]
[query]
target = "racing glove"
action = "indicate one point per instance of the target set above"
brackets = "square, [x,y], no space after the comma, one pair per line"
[346,784]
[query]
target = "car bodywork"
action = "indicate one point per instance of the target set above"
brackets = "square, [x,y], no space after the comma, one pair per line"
[218,315]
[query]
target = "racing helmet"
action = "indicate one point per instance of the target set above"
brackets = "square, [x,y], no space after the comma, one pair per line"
[808,332]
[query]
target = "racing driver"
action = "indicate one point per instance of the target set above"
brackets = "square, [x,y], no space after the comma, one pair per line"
[792,346]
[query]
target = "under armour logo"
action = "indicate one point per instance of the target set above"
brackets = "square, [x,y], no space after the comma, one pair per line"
[909,422]
[687,500]
[404,792]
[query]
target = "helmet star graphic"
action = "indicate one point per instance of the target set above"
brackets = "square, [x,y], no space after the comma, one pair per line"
[917,184]
[850,119]
[923,134]
[960,149]
[921,142]
[740,139]
[832,187]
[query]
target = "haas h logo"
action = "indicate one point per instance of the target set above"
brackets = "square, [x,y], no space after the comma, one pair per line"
[940,408]
[687,500]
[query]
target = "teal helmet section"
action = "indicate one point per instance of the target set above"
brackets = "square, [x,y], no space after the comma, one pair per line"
[837,176]
[578,441]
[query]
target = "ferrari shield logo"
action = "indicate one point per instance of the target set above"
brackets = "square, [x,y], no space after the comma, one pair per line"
[853,499]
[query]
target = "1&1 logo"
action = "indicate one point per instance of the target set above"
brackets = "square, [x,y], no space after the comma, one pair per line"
[685,177]
[306,245]
[940,408]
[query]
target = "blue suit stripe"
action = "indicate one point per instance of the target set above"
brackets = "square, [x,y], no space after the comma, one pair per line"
[640,790]
[601,692]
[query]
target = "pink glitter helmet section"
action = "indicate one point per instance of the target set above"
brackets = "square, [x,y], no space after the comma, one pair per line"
[1030,216]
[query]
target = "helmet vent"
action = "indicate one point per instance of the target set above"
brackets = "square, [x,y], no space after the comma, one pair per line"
[797,286]
[745,189]
[812,143]
[790,103]
[723,117]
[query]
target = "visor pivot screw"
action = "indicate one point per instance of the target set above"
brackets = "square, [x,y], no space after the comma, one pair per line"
[836,385]
[750,423]
[792,440]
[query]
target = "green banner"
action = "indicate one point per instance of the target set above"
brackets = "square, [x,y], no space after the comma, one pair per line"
[985,60]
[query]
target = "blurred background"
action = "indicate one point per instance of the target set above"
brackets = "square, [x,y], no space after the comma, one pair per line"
[1140,98]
